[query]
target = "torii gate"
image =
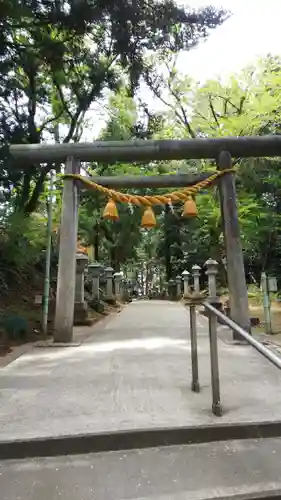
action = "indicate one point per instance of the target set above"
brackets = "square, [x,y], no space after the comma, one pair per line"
[222,150]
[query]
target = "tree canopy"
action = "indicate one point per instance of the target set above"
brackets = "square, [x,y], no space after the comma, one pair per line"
[59,61]
[247,104]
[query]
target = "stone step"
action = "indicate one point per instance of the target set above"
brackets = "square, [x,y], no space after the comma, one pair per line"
[234,470]
[75,444]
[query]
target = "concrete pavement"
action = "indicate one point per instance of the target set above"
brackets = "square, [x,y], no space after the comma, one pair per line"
[235,470]
[133,372]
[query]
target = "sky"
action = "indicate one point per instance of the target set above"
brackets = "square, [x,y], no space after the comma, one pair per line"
[252,31]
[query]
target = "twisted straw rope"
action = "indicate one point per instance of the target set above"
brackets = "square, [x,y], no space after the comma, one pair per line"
[164,199]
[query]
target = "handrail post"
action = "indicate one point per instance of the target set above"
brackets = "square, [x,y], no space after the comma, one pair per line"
[195,386]
[212,270]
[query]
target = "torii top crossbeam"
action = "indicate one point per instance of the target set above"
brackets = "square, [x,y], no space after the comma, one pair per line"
[140,150]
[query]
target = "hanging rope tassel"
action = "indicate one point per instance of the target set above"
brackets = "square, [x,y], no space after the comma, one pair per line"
[148,219]
[189,208]
[110,212]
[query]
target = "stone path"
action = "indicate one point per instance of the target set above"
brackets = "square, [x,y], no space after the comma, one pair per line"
[235,470]
[133,372]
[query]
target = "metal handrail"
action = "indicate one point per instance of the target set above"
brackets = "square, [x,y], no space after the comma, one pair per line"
[273,358]
[213,316]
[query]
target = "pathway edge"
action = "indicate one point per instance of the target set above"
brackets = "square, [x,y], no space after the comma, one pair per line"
[135,439]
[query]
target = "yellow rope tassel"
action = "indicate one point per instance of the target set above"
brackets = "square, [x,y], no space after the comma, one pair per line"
[189,208]
[159,199]
[148,218]
[110,212]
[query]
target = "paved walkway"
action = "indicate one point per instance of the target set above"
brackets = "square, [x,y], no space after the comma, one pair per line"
[235,470]
[133,372]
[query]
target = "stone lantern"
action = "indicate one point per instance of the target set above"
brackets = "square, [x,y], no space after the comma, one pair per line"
[80,305]
[185,277]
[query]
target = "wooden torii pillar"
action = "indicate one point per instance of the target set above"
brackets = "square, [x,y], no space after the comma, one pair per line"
[63,330]
[236,280]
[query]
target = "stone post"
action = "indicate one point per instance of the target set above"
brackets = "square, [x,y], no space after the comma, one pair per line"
[80,306]
[172,290]
[266,303]
[178,282]
[196,277]
[185,276]
[123,287]
[130,290]
[109,271]
[81,263]
[125,291]
[212,271]
[94,273]
[117,284]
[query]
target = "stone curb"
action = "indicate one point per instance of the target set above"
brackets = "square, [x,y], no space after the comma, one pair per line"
[227,494]
[260,492]
[134,439]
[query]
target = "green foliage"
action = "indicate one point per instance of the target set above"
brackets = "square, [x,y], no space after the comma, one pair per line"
[211,110]
[97,305]
[57,64]
[58,59]
[15,327]
[22,240]
[248,103]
